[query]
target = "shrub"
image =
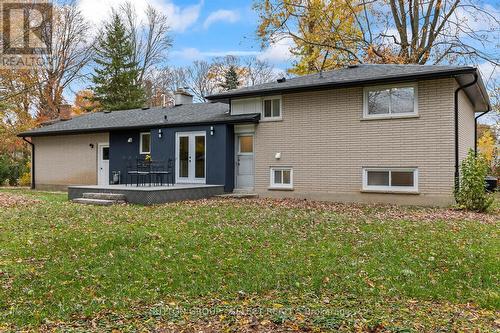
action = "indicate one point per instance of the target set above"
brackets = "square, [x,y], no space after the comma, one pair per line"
[25,179]
[11,169]
[471,193]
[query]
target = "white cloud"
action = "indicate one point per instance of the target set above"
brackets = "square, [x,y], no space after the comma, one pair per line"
[278,51]
[179,18]
[489,72]
[222,15]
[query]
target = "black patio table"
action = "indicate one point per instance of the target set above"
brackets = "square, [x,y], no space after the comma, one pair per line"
[151,172]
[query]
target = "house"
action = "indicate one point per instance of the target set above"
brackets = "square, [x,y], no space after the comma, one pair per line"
[367,133]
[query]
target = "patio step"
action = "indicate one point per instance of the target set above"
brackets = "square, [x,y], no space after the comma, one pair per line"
[96,202]
[105,196]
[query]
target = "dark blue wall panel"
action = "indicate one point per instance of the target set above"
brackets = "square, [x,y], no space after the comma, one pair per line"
[219,151]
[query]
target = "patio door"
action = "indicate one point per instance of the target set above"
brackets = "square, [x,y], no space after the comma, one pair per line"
[103,164]
[190,156]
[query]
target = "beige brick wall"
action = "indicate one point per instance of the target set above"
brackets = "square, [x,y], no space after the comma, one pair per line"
[465,124]
[326,141]
[66,160]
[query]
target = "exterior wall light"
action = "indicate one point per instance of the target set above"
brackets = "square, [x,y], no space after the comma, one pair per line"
[277,156]
[160,133]
[91,146]
[212,130]
[130,140]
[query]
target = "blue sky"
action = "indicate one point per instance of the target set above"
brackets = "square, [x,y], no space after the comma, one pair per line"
[202,29]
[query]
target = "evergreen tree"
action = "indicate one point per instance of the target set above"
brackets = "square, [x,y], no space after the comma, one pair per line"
[116,84]
[231,79]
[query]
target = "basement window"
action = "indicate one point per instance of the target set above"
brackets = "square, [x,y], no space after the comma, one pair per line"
[281,178]
[145,143]
[390,179]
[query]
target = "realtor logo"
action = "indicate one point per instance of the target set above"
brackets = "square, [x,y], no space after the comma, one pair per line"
[26,32]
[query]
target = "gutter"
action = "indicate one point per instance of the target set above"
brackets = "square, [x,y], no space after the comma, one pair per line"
[457,162]
[32,162]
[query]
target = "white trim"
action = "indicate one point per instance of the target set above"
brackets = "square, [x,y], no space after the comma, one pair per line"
[273,185]
[272,118]
[140,143]
[390,188]
[367,89]
[237,152]
[191,179]
[100,146]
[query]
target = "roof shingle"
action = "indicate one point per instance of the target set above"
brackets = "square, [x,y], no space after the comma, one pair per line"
[364,73]
[187,114]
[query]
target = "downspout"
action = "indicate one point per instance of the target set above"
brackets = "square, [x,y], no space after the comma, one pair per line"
[32,162]
[457,162]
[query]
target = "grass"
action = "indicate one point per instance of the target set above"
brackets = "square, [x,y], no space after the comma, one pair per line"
[282,264]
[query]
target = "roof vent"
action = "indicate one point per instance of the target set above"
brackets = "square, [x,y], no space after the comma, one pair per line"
[353,66]
[283,79]
[106,111]
[165,118]
[145,108]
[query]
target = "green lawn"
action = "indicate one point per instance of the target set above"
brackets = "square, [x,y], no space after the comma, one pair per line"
[260,264]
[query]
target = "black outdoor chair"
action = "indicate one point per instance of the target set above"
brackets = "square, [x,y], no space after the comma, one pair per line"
[161,173]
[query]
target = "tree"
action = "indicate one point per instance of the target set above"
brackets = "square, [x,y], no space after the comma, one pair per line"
[323,31]
[486,145]
[116,78]
[201,79]
[71,52]
[85,102]
[150,40]
[380,31]
[258,71]
[231,79]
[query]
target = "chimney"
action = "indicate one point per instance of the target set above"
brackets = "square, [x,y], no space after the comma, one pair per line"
[65,112]
[181,96]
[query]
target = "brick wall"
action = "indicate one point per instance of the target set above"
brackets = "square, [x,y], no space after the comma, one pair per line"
[326,141]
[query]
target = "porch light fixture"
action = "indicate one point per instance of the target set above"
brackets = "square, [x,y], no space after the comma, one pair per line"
[212,130]
[130,140]
[277,156]
[160,134]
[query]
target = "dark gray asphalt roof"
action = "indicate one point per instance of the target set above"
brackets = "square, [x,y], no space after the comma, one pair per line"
[369,73]
[187,114]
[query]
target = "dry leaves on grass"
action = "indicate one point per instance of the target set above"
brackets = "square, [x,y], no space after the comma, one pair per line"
[355,210]
[10,200]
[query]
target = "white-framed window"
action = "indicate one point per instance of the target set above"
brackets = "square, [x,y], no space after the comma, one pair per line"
[390,101]
[281,178]
[145,143]
[390,179]
[271,108]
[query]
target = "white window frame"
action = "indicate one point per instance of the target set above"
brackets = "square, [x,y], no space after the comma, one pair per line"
[140,143]
[368,89]
[273,185]
[272,118]
[412,189]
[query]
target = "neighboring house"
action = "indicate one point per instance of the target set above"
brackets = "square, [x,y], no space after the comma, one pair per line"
[369,133]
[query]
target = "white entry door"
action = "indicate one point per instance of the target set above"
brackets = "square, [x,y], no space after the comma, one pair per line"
[244,162]
[190,166]
[103,164]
